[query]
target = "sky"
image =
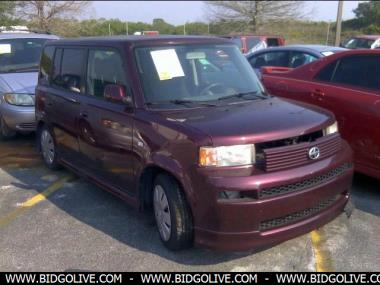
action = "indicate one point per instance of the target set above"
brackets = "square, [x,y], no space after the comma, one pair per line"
[179,12]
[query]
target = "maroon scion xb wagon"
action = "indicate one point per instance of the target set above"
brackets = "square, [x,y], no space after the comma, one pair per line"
[183,126]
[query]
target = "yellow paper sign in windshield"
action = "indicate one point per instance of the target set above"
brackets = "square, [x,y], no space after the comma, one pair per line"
[167,64]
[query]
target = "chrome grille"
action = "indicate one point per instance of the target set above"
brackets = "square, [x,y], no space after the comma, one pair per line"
[27,126]
[278,158]
[300,215]
[304,184]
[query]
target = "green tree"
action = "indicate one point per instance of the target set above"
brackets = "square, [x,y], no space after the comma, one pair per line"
[368,13]
[163,27]
[7,11]
[42,14]
[255,13]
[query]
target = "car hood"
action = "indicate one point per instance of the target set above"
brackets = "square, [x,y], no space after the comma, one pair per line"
[253,121]
[19,82]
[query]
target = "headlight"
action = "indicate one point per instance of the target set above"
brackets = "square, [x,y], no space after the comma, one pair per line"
[19,99]
[227,155]
[332,129]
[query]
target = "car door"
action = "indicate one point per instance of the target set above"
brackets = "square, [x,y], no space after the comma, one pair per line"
[106,124]
[351,89]
[62,104]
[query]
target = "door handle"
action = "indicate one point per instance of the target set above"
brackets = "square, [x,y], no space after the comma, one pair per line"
[317,94]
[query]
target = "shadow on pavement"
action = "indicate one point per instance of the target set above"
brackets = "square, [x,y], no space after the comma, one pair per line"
[366,194]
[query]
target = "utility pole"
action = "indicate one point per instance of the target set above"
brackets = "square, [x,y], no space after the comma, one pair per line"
[208,28]
[328,33]
[184,29]
[126,27]
[338,23]
[109,29]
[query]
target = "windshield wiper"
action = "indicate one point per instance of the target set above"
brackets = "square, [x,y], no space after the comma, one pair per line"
[255,94]
[31,68]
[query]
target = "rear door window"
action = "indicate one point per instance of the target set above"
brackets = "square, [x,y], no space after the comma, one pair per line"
[327,72]
[300,58]
[359,70]
[272,42]
[252,42]
[274,58]
[105,66]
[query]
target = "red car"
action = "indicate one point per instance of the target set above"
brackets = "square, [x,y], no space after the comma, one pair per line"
[347,84]
[251,43]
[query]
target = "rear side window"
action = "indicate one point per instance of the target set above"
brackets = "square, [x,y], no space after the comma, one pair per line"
[105,67]
[252,42]
[278,58]
[359,70]
[300,58]
[272,42]
[326,73]
[46,66]
[68,65]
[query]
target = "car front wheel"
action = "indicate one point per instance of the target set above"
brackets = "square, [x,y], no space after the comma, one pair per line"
[172,213]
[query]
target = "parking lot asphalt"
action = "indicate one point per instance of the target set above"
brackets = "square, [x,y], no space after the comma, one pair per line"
[55,221]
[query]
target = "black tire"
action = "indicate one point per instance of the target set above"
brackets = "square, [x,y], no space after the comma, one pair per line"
[52,162]
[5,132]
[181,233]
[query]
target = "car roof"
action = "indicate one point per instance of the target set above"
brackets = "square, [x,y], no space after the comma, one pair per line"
[26,35]
[140,40]
[252,36]
[314,49]
[369,37]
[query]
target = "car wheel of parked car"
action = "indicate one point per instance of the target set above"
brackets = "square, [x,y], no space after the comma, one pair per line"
[172,213]
[48,148]
[5,131]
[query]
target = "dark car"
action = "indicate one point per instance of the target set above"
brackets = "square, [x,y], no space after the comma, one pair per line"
[290,56]
[182,125]
[347,84]
[251,43]
[362,42]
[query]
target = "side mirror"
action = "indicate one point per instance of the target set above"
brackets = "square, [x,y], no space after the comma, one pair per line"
[116,93]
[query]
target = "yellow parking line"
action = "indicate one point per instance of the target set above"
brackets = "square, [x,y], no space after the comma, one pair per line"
[323,259]
[34,200]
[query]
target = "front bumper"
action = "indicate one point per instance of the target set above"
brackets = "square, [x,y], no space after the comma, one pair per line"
[18,118]
[246,223]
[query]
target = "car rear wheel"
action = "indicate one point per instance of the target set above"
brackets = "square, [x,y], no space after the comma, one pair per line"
[48,148]
[172,213]
[5,131]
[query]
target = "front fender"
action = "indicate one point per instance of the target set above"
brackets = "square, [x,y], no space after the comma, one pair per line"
[173,167]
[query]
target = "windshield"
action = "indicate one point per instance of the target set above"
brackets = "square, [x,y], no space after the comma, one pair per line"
[196,73]
[237,41]
[18,55]
[358,43]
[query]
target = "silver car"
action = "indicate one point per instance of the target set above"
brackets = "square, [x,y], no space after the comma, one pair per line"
[19,64]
